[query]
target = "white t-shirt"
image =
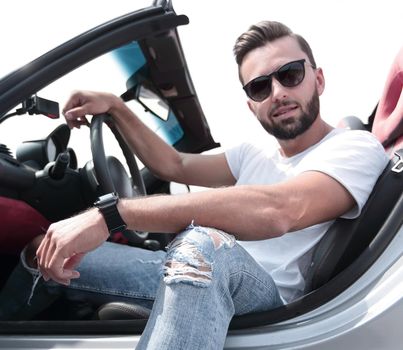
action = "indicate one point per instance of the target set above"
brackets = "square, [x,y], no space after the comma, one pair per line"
[353,158]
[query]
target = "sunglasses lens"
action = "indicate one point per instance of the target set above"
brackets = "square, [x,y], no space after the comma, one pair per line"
[291,74]
[259,88]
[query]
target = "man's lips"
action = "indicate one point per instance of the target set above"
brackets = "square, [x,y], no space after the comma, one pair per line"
[278,112]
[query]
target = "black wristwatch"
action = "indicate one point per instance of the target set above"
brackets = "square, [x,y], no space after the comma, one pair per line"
[107,206]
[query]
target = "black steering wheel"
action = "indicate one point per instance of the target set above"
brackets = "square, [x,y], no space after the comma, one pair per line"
[109,171]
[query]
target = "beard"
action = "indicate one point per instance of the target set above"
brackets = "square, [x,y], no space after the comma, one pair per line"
[292,127]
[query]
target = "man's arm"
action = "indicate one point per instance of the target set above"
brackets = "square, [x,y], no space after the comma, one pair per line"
[162,159]
[250,212]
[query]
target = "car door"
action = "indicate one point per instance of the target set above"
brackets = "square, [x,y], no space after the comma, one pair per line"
[146,48]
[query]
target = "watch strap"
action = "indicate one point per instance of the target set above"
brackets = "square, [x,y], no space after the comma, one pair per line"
[107,205]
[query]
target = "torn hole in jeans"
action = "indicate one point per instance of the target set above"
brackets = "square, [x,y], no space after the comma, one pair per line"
[187,264]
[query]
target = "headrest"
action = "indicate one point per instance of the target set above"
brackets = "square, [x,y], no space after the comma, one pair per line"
[388,121]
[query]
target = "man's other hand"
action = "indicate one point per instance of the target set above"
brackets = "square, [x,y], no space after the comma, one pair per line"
[67,241]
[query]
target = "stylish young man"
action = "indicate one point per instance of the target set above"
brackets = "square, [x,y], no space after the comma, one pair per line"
[243,246]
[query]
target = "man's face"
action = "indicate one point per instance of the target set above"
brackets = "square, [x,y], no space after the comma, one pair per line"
[288,111]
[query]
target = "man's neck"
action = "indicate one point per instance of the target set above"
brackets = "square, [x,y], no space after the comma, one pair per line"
[318,130]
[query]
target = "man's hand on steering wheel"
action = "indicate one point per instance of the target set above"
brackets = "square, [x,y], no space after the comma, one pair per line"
[83,103]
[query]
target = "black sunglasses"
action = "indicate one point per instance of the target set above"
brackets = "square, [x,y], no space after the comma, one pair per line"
[289,75]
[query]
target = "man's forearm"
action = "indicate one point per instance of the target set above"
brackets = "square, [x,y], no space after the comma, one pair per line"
[242,211]
[250,212]
[162,159]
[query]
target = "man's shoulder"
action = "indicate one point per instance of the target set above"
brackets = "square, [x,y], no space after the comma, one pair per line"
[348,134]
[354,139]
[343,145]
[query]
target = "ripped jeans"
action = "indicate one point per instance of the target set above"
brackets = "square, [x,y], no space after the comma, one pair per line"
[194,289]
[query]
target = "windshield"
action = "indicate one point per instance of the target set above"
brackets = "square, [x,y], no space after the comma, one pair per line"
[112,72]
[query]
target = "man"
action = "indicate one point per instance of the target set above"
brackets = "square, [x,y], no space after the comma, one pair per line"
[244,246]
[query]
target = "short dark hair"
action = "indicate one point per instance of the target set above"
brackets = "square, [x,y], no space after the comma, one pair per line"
[263,32]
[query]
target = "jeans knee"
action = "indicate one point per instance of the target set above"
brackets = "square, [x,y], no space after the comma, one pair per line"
[191,255]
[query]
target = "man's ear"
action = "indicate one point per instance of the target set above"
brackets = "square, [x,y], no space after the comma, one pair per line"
[320,81]
[251,107]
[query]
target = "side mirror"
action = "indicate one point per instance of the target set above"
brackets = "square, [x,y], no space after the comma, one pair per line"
[152,102]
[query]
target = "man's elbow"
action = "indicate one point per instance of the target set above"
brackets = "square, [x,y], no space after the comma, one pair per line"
[274,225]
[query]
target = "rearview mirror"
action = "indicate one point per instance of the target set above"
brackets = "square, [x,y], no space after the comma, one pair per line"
[152,102]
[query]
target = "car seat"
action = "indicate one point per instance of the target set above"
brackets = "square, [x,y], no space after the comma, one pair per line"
[346,239]
[20,223]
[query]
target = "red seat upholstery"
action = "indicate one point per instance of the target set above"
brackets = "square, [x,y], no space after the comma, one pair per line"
[20,223]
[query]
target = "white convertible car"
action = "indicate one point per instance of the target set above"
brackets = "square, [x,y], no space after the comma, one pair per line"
[355,295]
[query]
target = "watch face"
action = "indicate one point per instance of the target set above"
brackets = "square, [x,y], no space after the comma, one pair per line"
[107,206]
[107,200]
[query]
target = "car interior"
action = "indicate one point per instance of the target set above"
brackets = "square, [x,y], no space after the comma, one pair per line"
[45,181]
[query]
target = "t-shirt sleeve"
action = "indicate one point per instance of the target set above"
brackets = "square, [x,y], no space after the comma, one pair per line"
[355,159]
[237,155]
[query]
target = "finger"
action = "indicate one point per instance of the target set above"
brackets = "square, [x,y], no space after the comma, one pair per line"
[83,121]
[76,113]
[76,117]
[75,99]
[76,123]
[41,256]
[66,277]
[71,263]
[48,250]
[56,271]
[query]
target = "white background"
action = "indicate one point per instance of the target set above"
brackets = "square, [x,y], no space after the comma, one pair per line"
[353,41]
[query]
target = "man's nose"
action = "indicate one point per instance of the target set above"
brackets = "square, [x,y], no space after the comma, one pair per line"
[278,91]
